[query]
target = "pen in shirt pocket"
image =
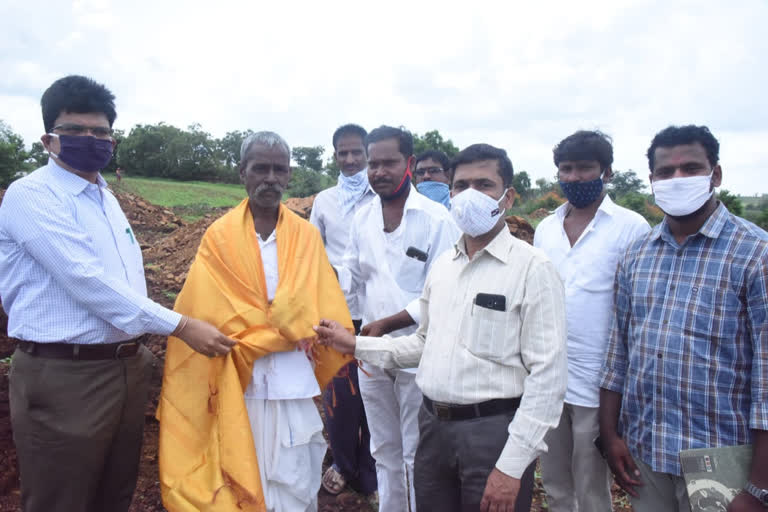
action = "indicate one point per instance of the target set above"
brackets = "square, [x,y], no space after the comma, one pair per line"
[129,233]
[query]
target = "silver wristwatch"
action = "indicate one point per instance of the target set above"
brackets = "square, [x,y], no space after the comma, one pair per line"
[760,494]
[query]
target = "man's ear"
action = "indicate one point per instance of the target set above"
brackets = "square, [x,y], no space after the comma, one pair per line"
[510,198]
[717,176]
[607,175]
[242,174]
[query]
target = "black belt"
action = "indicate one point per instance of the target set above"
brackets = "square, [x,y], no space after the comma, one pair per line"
[95,352]
[452,412]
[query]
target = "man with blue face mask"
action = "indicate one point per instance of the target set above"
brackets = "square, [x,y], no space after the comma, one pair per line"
[584,238]
[431,176]
[72,282]
[490,350]
[687,362]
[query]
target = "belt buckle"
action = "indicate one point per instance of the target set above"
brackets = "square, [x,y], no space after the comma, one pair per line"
[443,412]
[120,347]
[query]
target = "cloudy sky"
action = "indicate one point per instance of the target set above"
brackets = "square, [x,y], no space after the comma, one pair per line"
[520,75]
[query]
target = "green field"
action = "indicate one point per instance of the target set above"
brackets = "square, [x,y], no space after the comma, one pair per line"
[172,194]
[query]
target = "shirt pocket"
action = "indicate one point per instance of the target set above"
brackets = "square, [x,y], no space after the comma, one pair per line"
[713,312]
[601,274]
[411,275]
[493,335]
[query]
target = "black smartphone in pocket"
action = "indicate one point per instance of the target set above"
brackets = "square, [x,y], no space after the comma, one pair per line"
[415,253]
[491,301]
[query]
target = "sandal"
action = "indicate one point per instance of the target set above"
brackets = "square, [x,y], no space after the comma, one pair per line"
[333,481]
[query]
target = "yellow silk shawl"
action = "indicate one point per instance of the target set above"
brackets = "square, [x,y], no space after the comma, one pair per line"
[207,455]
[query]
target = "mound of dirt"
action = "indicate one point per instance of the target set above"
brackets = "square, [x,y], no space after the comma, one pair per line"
[166,263]
[539,213]
[149,222]
[520,228]
[302,206]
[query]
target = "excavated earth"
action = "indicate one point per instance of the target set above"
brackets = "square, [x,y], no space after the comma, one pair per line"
[169,245]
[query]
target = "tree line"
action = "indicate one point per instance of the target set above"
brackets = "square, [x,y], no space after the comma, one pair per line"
[192,154]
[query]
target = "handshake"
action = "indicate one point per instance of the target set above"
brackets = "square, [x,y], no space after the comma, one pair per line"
[332,334]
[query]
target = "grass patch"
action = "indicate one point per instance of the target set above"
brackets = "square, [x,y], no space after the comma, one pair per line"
[172,194]
[170,295]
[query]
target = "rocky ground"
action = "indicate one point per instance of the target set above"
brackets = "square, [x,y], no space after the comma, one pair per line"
[169,245]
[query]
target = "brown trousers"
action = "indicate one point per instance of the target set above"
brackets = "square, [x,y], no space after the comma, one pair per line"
[455,458]
[78,426]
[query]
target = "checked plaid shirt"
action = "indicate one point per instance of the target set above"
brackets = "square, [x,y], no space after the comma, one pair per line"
[689,340]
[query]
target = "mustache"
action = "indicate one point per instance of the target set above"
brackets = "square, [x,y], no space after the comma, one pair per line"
[266,187]
[379,181]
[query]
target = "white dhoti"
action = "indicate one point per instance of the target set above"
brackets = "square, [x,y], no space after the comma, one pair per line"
[288,435]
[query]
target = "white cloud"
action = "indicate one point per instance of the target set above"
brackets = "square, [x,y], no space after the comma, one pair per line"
[518,75]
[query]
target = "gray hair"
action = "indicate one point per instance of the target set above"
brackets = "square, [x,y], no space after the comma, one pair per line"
[269,139]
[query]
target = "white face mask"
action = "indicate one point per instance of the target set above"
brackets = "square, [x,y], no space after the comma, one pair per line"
[682,196]
[474,212]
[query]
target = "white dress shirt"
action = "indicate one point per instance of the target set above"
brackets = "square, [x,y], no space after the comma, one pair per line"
[279,375]
[469,354]
[334,228]
[375,266]
[70,266]
[588,270]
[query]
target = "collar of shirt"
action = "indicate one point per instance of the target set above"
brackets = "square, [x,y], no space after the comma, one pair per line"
[711,228]
[607,207]
[69,181]
[499,247]
[413,202]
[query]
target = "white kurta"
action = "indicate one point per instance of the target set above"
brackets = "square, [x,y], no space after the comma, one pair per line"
[287,429]
[377,269]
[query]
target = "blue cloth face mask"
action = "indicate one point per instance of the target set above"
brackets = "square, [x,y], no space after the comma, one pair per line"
[436,191]
[582,193]
[84,153]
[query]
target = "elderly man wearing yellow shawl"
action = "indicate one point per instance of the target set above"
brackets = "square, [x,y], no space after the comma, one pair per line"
[241,432]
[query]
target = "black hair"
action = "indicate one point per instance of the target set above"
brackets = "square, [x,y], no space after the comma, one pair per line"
[585,145]
[437,156]
[403,137]
[78,94]
[349,129]
[480,152]
[690,134]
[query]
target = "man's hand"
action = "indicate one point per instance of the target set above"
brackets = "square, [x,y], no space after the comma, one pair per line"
[204,338]
[376,329]
[500,493]
[745,502]
[334,335]
[621,463]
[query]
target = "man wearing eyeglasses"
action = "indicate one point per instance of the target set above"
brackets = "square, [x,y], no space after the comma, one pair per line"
[72,282]
[431,176]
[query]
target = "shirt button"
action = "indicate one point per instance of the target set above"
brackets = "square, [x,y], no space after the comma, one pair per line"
[658,355]
[658,390]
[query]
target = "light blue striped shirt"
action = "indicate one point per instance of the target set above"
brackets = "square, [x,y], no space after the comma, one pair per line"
[70,266]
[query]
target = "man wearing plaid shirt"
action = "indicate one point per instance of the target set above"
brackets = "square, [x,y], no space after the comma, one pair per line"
[687,363]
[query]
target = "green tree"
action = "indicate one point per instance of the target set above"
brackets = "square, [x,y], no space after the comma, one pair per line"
[165,151]
[543,186]
[522,184]
[762,220]
[433,140]
[732,202]
[229,147]
[634,201]
[309,157]
[332,169]
[37,156]
[625,182]
[13,156]
[306,182]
